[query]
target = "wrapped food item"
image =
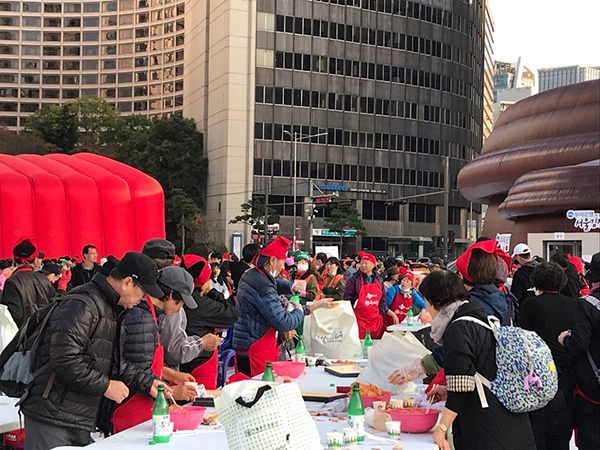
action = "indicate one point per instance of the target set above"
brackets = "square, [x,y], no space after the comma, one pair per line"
[369,390]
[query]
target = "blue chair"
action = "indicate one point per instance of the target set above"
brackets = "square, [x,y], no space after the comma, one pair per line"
[225,361]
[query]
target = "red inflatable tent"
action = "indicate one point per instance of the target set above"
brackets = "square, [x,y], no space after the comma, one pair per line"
[64,202]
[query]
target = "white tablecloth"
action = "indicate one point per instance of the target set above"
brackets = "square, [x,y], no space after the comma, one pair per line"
[9,414]
[404,327]
[315,380]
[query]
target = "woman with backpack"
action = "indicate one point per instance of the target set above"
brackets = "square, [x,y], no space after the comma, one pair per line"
[469,348]
[583,344]
[548,313]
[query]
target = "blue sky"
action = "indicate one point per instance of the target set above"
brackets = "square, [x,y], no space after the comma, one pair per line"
[547,33]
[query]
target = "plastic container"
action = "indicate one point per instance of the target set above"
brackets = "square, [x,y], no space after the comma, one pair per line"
[415,420]
[292,369]
[343,389]
[188,419]
[368,401]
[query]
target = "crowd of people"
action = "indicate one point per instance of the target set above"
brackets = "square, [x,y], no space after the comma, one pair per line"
[121,328]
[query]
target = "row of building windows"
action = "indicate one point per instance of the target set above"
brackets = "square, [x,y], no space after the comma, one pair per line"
[87,7]
[90,64]
[380,210]
[381,38]
[92,50]
[365,105]
[411,10]
[362,69]
[337,136]
[154,89]
[348,172]
[33,78]
[91,36]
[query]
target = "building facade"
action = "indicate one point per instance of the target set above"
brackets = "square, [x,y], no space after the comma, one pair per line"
[562,76]
[376,93]
[128,52]
[513,82]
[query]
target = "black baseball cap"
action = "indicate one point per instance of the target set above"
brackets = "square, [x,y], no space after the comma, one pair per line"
[594,269]
[143,269]
[159,249]
[51,267]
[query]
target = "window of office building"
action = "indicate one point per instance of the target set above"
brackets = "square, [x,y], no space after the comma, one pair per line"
[421,212]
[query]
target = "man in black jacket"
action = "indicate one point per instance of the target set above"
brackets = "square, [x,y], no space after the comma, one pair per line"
[574,284]
[74,359]
[26,290]
[239,268]
[85,270]
[522,287]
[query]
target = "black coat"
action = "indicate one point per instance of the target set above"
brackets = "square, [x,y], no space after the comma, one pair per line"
[80,275]
[548,315]
[237,269]
[522,286]
[586,336]
[25,292]
[213,311]
[78,345]
[470,348]
[574,284]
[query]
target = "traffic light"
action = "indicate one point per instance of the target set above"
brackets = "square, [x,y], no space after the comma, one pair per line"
[322,199]
[451,238]
[437,241]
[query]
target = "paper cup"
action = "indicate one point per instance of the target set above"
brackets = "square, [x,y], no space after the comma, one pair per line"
[393,429]
[380,405]
[311,360]
[350,437]
[334,441]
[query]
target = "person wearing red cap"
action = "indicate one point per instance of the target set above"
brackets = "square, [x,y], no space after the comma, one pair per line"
[401,297]
[366,292]
[213,311]
[478,267]
[26,290]
[261,313]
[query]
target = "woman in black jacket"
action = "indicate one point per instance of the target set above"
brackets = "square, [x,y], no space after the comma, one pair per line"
[469,348]
[583,344]
[548,314]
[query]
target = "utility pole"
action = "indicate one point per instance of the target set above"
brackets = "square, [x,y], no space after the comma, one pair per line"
[310,217]
[295,187]
[446,202]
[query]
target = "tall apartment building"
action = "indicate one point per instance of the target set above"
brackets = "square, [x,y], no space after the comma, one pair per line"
[390,87]
[562,76]
[129,52]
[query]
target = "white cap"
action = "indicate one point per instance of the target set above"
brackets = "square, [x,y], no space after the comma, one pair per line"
[521,249]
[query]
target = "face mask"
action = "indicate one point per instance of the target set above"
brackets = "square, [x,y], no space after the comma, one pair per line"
[274,274]
[302,267]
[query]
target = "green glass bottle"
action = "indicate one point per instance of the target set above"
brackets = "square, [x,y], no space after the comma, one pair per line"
[410,318]
[300,350]
[161,419]
[367,345]
[268,375]
[356,413]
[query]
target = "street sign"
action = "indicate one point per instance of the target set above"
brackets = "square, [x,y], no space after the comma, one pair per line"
[322,199]
[326,232]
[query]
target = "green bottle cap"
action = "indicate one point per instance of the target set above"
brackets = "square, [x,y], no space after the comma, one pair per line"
[152,442]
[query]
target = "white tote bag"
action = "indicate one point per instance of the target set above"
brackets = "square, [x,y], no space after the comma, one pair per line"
[394,350]
[258,416]
[8,328]
[333,333]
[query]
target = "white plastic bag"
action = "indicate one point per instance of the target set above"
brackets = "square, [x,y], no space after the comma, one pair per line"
[256,415]
[333,333]
[8,328]
[394,350]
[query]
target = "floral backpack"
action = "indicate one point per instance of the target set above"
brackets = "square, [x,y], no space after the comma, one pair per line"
[526,379]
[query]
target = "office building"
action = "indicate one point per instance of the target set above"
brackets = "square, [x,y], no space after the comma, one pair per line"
[390,87]
[562,76]
[512,82]
[128,52]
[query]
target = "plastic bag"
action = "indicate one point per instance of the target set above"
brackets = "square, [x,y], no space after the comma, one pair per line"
[8,328]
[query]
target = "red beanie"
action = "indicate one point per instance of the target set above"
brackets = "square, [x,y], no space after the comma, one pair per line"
[404,272]
[367,257]
[576,261]
[198,267]
[277,248]
[490,246]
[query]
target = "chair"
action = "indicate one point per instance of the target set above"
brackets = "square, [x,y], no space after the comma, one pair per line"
[225,361]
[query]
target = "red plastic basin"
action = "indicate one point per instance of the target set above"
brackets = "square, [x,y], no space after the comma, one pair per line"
[368,401]
[415,420]
[189,419]
[292,369]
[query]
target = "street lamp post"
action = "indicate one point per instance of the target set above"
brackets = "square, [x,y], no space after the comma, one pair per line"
[295,137]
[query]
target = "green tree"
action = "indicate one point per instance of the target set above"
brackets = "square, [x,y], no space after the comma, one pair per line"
[184,210]
[56,125]
[253,214]
[12,143]
[344,216]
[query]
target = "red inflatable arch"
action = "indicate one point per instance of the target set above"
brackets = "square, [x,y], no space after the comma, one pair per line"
[64,202]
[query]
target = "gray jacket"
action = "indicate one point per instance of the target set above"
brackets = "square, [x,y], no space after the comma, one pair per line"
[179,347]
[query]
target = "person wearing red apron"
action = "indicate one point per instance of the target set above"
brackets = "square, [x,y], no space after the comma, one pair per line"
[138,408]
[366,292]
[401,297]
[214,311]
[261,313]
